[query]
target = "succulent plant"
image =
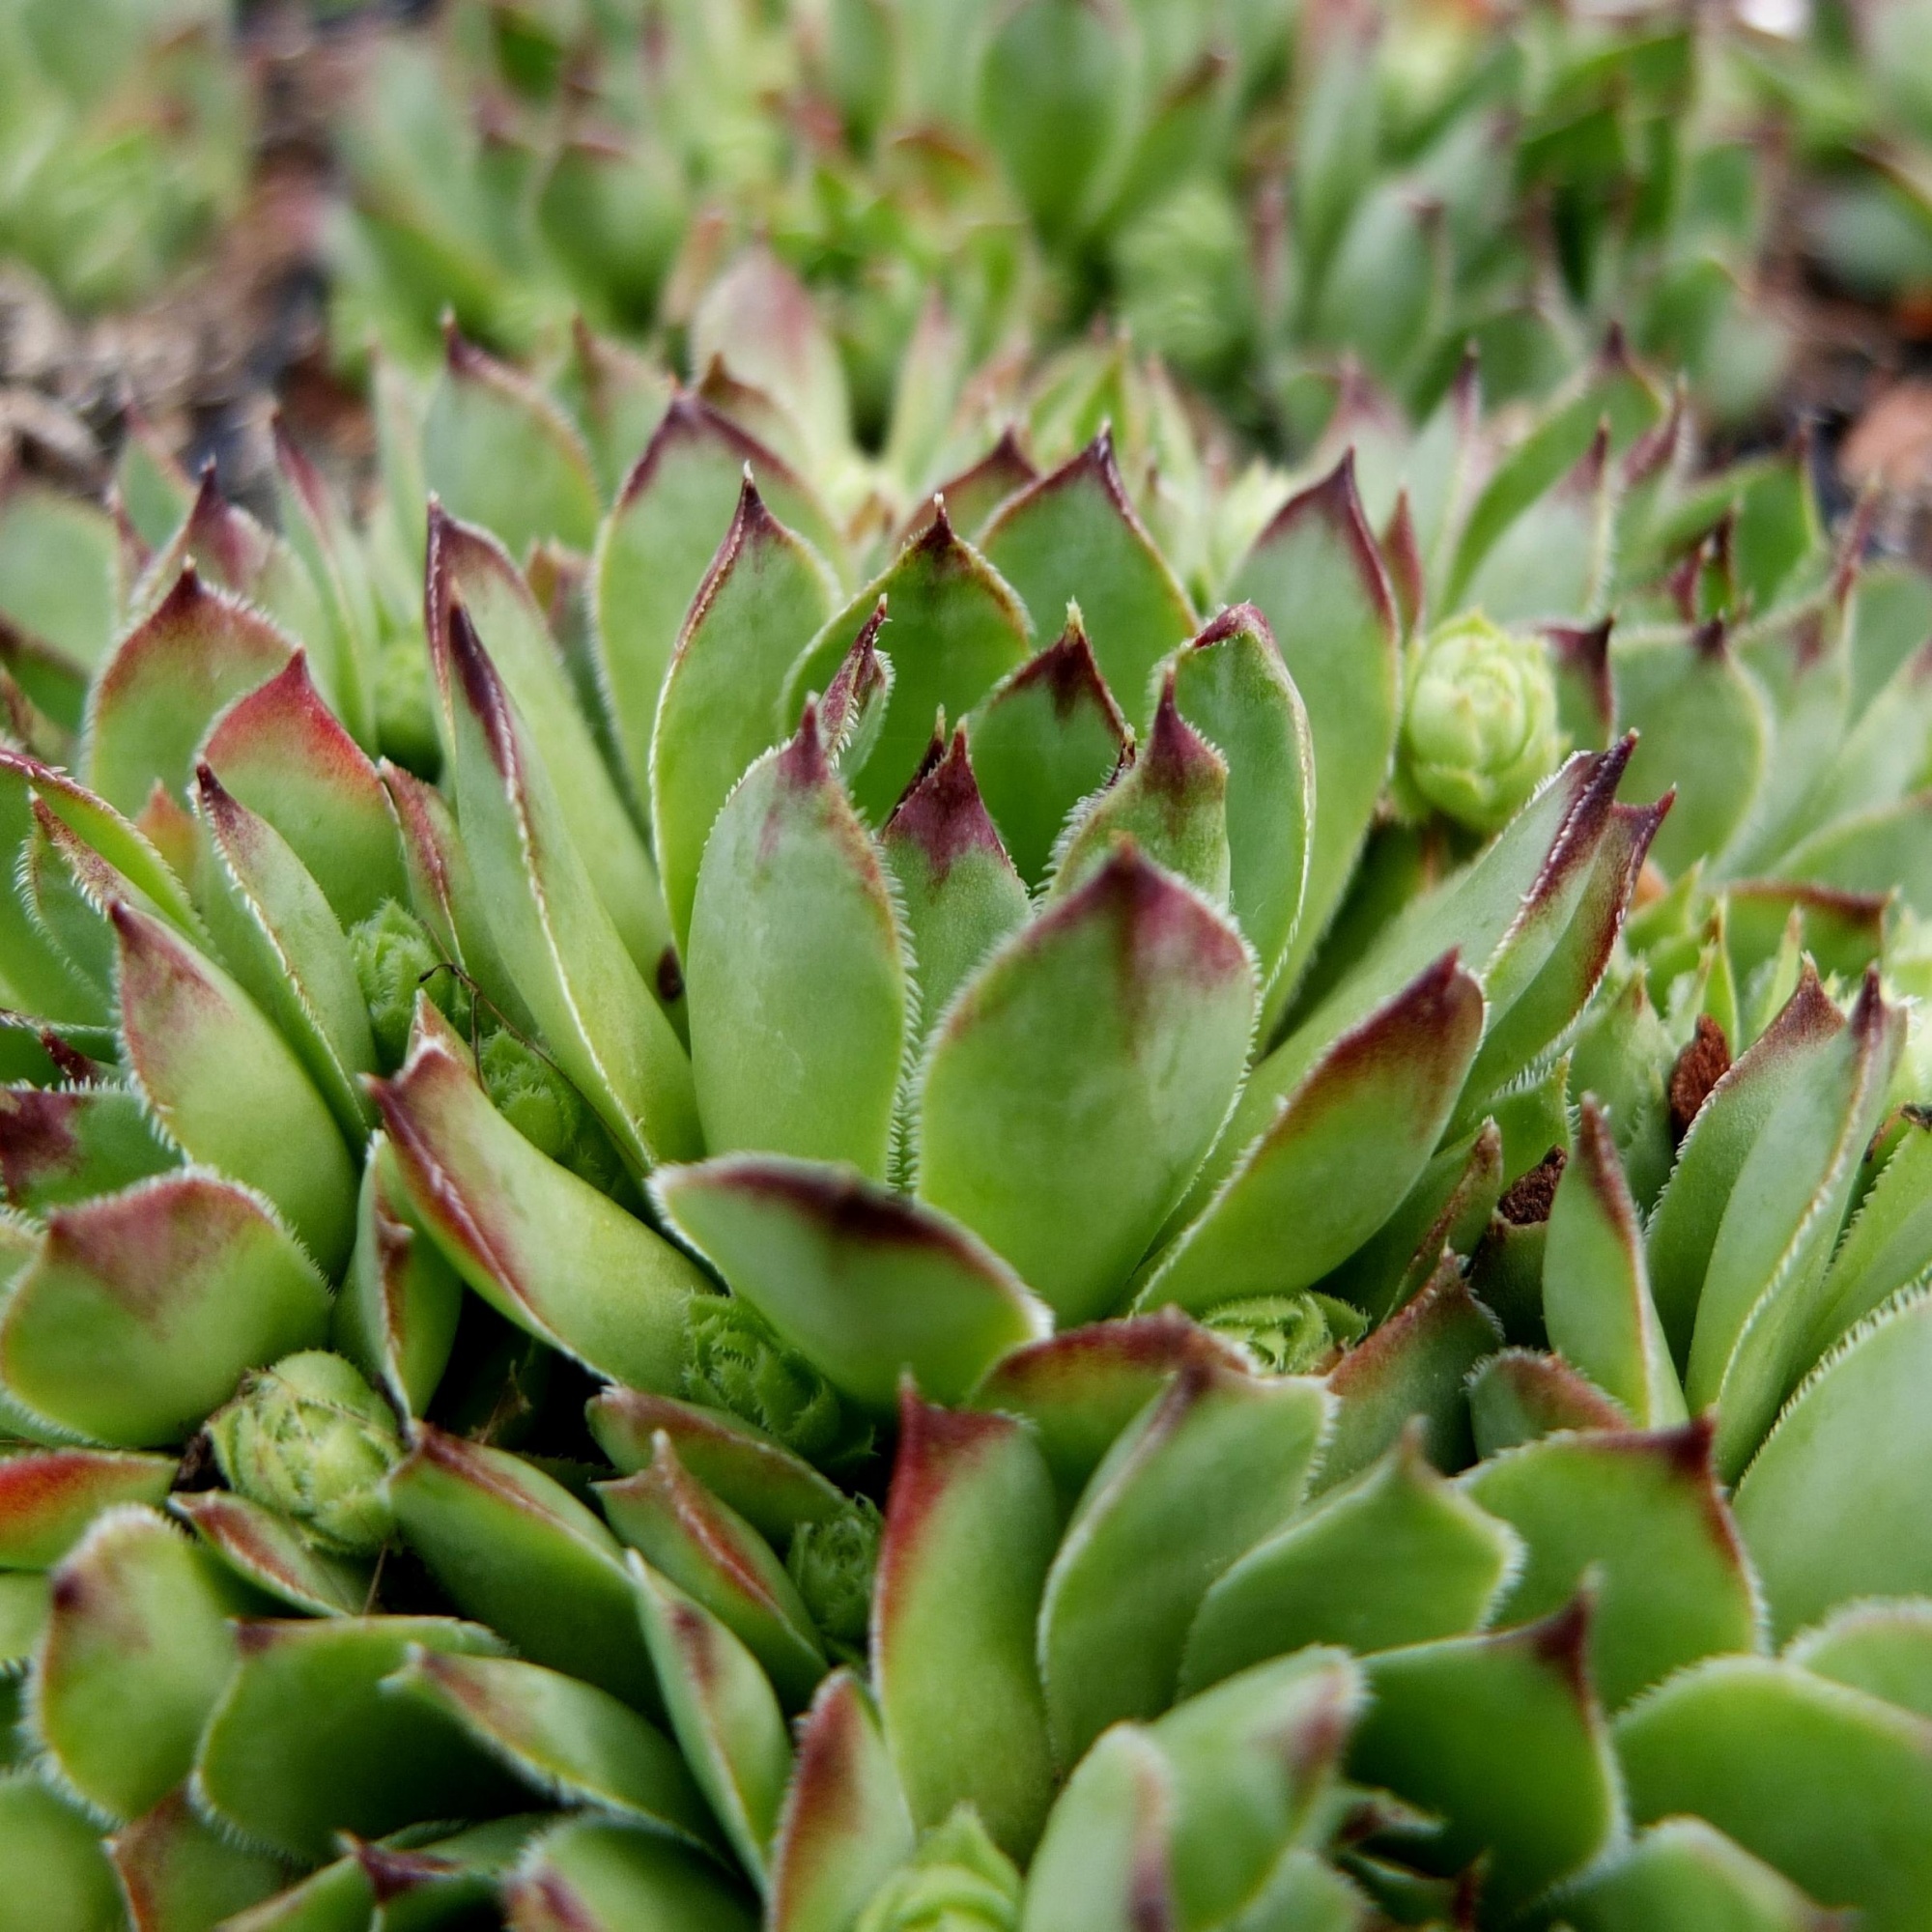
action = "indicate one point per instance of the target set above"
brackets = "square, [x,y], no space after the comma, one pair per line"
[889,1247]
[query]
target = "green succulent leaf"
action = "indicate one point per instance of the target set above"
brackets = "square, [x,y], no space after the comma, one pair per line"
[1681,1876]
[1521,1395]
[58,1870]
[799,979]
[63,1145]
[513,1547]
[596,1875]
[138,1312]
[184,1870]
[49,1497]
[268,1552]
[866,1284]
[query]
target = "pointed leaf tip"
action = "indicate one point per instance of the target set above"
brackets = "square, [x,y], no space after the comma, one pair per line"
[942,811]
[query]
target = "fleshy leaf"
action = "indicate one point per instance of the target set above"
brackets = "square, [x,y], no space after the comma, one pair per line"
[1644,1511]
[1172,799]
[971,1525]
[957,890]
[513,1547]
[168,679]
[554,932]
[1683,1876]
[275,926]
[1502,1736]
[500,453]
[1081,1389]
[267,1551]
[864,1283]
[139,1311]
[177,1869]
[759,1477]
[66,1144]
[1047,736]
[1090,1061]
[305,1742]
[1521,1395]
[49,1497]
[57,1868]
[1882,1647]
[576,803]
[954,629]
[723,1712]
[1074,536]
[573,1741]
[1340,1153]
[227,1088]
[284,755]
[1416,1363]
[1885,1245]
[1828,1784]
[766,591]
[1315,576]
[1825,1517]
[1214,1464]
[656,546]
[799,988]
[596,1875]
[844,1826]
[396,1315]
[136,1652]
[1399,1557]
[701,1544]
[1596,1288]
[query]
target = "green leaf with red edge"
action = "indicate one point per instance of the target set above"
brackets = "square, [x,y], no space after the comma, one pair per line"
[1826,1519]
[575,1744]
[227,1088]
[1232,687]
[954,629]
[139,1312]
[49,1497]
[1879,851]
[1416,1364]
[971,1525]
[1502,1736]
[553,931]
[284,755]
[866,1285]
[765,593]
[1315,576]
[1197,1816]
[1081,1389]
[1684,1226]
[396,1315]
[1760,1291]
[1074,537]
[723,1713]
[275,926]
[56,1864]
[500,453]
[468,570]
[1172,799]
[176,1870]
[799,984]
[1642,1512]
[544,1249]
[268,1552]
[844,1826]
[1217,1461]
[59,1145]
[1829,1784]
[1681,1876]
[1397,1556]
[1335,1161]
[1521,1395]
[656,546]
[304,1742]
[716,1557]
[1046,736]
[119,841]
[136,1649]
[756,1475]
[1081,1074]
[514,1549]
[1596,1286]
[443,893]
[957,890]
[596,1875]
[1702,726]
[168,679]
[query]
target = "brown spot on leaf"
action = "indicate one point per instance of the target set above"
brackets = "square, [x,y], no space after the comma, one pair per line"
[670,976]
[1527,1198]
[1703,1063]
